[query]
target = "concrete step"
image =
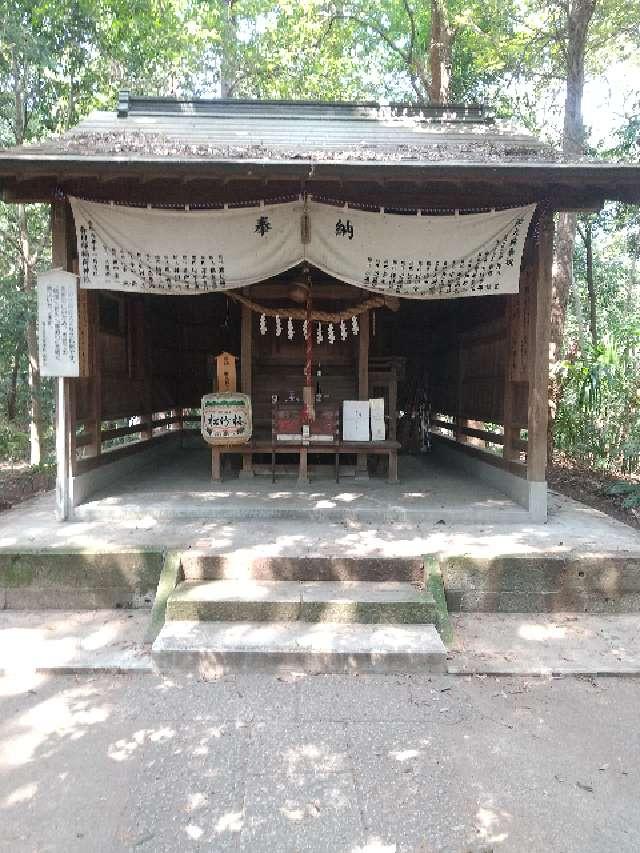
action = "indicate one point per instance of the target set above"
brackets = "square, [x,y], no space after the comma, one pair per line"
[208,649]
[204,565]
[497,510]
[311,601]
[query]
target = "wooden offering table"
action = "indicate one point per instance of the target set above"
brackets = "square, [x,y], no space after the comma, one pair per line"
[324,437]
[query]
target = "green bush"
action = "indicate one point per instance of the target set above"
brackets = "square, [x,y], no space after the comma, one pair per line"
[14,442]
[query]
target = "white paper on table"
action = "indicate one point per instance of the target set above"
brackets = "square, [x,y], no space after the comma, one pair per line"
[355,420]
[376,406]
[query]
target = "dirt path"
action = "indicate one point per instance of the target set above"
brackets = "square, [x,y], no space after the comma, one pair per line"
[329,763]
[590,487]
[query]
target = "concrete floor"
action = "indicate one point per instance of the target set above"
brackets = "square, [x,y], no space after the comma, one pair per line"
[572,528]
[333,764]
[180,487]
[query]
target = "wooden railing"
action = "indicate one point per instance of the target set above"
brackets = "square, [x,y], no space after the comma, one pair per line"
[121,436]
[455,432]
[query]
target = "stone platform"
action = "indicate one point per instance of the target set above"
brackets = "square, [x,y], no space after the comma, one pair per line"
[579,560]
[179,487]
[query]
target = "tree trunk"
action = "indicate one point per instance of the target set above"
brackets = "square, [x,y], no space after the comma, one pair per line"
[580,323]
[439,54]
[36,418]
[579,17]
[12,393]
[229,59]
[591,290]
[632,283]
[27,262]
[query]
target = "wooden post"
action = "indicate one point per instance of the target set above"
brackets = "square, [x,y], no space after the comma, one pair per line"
[362,472]
[457,341]
[216,467]
[511,433]
[96,396]
[65,422]
[246,358]
[538,368]
[147,343]
[393,405]
[303,471]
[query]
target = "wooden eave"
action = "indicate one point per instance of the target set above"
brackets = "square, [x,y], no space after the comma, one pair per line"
[565,186]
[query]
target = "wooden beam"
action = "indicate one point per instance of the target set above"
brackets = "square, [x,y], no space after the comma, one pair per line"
[323,288]
[538,368]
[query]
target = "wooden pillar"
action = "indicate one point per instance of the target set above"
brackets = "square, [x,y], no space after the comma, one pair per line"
[65,419]
[511,432]
[246,372]
[96,363]
[457,342]
[303,470]
[538,368]
[363,383]
[393,404]
[139,337]
[216,467]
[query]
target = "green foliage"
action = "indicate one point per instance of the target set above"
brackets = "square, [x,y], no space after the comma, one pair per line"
[14,442]
[631,492]
[598,421]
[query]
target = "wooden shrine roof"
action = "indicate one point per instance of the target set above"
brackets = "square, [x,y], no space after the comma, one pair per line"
[306,143]
[291,130]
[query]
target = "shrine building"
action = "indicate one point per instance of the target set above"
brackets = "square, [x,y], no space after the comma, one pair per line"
[340,299]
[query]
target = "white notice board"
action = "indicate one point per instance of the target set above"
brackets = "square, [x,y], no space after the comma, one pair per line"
[355,420]
[58,323]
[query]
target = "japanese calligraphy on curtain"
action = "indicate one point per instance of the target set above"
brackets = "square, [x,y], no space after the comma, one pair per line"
[197,251]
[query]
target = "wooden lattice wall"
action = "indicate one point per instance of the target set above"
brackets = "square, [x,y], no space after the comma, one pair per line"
[479,368]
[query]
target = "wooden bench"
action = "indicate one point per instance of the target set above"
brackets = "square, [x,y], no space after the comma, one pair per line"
[387,448]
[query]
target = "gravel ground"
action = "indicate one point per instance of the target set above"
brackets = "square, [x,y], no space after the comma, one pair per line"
[325,763]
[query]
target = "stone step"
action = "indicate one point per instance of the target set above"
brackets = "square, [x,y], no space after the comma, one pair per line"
[310,601]
[208,649]
[498,510]
[203,565]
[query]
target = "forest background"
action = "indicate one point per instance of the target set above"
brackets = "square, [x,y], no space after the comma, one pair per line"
[567,69]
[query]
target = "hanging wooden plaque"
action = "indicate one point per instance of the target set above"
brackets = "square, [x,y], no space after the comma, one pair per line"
[226,371]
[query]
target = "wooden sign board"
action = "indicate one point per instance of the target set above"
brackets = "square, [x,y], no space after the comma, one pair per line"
[58,323]
[226,372]
[226,418]
[376,406]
